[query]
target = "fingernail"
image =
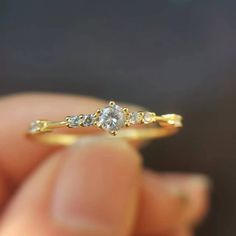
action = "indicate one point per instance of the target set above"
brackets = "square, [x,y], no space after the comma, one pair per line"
[95,190]
[201,181]
[178,184]
[193,195]
[199,190]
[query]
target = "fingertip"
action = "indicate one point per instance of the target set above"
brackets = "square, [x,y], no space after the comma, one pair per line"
[18,110]
[89,189]
[106,174]
[170,201]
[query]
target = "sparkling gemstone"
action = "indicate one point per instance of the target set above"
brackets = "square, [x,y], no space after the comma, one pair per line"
[148,117]
[112,118]
[35,127]
[135,118]
[73,121]
[88,120]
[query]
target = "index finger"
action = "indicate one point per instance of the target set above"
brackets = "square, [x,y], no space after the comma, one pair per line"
[17,111]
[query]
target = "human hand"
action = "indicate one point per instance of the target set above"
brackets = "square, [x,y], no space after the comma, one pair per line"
[93,188]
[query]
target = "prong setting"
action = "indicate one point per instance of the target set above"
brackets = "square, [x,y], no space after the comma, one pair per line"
[99,126]
[125,110]
[112,103]
[98,112]
[114,133]
[127,124]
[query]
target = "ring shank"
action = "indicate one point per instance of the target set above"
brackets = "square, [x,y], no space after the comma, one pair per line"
[131,134]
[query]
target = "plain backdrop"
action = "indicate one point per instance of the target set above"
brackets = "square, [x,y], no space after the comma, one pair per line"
[168,55]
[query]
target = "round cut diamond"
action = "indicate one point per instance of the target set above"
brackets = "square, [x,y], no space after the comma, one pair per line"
[148,117]
[135,118]
[88,120]
[73,121]
[112,118]
[35,127]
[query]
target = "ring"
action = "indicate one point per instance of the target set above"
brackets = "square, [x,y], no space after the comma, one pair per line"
[113,119]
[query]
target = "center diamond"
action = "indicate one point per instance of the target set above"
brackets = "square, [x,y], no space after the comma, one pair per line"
[112,118]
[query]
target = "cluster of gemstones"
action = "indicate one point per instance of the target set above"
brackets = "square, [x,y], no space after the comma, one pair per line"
[111,118]
[81,120]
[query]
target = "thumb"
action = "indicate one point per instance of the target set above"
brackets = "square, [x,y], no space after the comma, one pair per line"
[89,189]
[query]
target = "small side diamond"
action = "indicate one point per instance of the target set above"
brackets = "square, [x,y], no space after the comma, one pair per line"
[73,121]
[88,120]
[135,118]
[35,126]
[148,117]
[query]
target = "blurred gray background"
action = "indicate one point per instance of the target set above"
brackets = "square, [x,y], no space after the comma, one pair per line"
[168,55]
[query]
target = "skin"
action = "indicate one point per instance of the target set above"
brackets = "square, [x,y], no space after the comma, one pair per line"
[92,188]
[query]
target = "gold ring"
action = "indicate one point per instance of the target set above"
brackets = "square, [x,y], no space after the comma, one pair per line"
[112,119]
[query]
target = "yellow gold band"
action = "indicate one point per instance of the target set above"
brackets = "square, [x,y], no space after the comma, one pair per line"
[111,119]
